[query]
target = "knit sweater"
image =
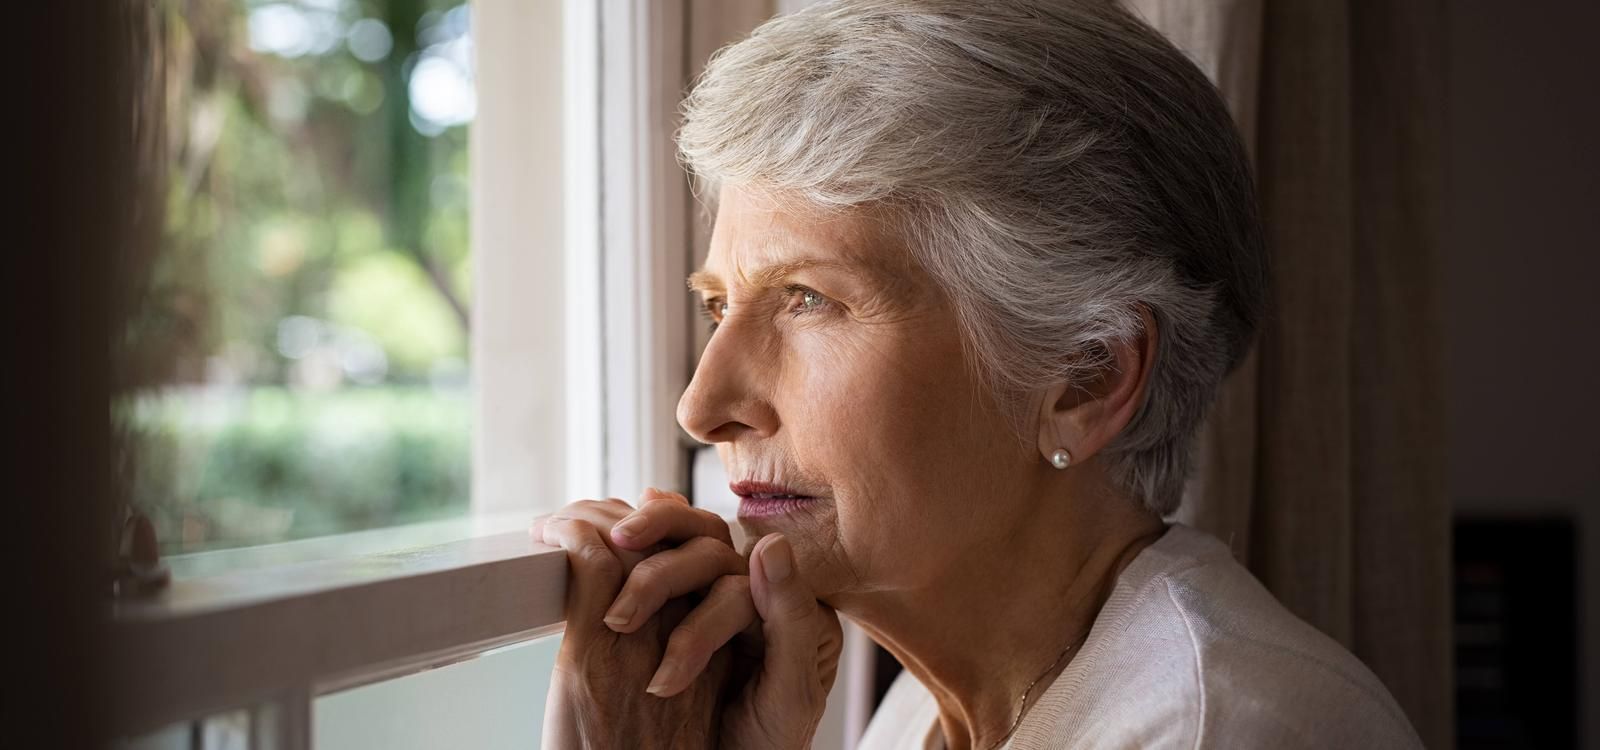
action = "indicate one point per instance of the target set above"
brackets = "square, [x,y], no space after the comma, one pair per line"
[1189,651]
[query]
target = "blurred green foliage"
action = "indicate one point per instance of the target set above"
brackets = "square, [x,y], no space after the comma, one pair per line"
[294,360]
[265,464]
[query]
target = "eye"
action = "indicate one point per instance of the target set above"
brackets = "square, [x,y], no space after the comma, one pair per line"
[715,309]
[806,300]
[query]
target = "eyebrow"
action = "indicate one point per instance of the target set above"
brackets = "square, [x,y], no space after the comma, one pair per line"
[770,276]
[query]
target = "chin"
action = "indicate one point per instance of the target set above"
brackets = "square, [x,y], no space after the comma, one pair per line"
[815,544]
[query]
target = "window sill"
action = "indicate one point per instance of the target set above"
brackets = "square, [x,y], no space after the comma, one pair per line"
[353,544]
[219,641]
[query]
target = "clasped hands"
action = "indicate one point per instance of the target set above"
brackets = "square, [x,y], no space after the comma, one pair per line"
[675,639]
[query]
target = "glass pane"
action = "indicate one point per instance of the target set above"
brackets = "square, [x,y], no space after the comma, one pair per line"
[493,701]
[297,361]
[229,730]
[175,737]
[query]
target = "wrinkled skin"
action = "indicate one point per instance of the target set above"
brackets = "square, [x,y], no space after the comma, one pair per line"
[597,695]
[837,373]
[729,688]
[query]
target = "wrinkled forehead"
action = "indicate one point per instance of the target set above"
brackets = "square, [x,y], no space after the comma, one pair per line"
[757,230]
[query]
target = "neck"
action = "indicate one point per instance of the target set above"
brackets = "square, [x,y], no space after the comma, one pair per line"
[996,617]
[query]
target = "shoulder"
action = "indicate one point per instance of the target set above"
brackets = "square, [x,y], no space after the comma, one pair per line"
[1192,651]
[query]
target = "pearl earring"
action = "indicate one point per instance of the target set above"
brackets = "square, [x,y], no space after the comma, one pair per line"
[1061,459]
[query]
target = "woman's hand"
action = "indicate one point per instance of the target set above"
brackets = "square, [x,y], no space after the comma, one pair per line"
[786,643]
[597,693]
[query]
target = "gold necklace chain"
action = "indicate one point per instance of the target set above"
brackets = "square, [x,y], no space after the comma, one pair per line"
[1139,543]
[1021,708]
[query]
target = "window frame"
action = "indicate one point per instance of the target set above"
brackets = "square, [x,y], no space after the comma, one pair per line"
[272,639]
[618,220]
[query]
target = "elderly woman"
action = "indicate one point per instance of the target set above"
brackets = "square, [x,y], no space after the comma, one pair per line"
[977,270]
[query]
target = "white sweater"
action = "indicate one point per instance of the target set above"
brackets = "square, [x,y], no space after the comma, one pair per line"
[1190,651]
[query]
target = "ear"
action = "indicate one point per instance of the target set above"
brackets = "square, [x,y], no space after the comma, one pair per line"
[1085,416]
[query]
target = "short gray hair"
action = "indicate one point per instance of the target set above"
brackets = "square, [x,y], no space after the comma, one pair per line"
[1055,165]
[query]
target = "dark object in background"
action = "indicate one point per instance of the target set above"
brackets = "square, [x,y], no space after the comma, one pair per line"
[1516,633]
[77,67]
[885,669]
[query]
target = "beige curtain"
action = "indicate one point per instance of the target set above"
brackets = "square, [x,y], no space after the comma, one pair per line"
[1322,462]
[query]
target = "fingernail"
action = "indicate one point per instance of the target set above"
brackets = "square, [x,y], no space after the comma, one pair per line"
[665,677]
[777,559]
[631,526]
[620,614]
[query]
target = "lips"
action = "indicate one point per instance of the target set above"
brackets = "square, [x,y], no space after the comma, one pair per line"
[765,499]
[749,490]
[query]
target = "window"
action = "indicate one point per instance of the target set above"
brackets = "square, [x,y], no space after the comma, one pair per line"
[297,364]
[579,338]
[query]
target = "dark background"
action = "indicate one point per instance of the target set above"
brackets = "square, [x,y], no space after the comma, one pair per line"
[1519,269]
[68,211]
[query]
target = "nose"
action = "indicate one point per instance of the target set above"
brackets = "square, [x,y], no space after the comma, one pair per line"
[725,400]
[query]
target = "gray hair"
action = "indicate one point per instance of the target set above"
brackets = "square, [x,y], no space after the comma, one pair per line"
[1056,166]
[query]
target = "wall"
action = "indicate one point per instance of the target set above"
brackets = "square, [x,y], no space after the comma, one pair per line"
[1518,270]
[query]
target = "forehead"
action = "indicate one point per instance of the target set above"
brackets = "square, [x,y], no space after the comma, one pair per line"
[756,230]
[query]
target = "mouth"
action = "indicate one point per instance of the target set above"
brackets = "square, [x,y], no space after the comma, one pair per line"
[766,499]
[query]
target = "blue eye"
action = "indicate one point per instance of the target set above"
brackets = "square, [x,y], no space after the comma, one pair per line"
[807,300]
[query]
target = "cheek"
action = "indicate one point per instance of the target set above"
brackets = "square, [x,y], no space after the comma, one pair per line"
[884,422]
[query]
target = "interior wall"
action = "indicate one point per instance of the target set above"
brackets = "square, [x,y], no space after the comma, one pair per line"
[1518,267]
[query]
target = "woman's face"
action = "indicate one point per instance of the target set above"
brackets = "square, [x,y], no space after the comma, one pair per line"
[837,372]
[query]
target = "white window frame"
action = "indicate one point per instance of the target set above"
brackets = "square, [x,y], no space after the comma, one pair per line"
[583,233]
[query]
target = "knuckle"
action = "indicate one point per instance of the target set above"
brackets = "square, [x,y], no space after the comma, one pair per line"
[647,573]
[599,559]
[714,522]
[738,585]
[701,545]
[671,497]
[833,632]
[660,504]
[689,643]
[828,672]
[714,549]
[793,608]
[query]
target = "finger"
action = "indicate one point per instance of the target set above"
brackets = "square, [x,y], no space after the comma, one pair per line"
[664,517]
[594,574]
[668,575]
[793,625]
[831,647]
[602,513]
[726,612]
[653,492]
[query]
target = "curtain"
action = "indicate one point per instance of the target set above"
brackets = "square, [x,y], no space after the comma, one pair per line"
[1321,464]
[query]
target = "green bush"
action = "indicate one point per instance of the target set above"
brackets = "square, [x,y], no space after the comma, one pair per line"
[216,469]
